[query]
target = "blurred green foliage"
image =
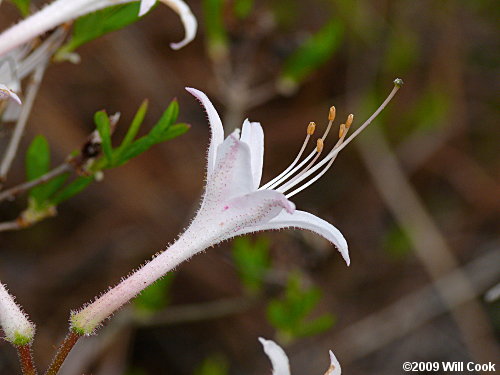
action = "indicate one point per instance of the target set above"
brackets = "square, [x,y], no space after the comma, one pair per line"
[213,365]
[396,242]
[243,8]
[252,261]
[315,51]
[290,314]
[155,297]
[23,6]
[216,36]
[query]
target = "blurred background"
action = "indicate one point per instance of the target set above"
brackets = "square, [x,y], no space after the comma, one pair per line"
[416,195]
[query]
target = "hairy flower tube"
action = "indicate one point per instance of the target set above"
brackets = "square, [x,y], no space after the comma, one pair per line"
[18,329]
[233,204]
[279,359]
[61,11]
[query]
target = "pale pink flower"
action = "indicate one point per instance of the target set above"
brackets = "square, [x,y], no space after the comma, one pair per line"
[281,365]
[61,11]
[233,204]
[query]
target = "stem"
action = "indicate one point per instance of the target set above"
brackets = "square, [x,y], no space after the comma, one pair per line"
[69,341]
[21,122]
[10,193]
[26,359]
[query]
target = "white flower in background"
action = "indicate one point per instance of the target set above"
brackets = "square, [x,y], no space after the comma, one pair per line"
[232,205]
[18,329]
[279,359]
[61,11]
[8,94]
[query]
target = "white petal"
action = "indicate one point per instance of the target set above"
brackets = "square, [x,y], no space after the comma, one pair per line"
[6,93]
[232,175]
[253,135]
[146,5]
[307,221]
[334,368]
[215,127]
[278,357]
[188,20]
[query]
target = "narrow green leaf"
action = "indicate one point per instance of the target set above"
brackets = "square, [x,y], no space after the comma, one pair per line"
[135,126]
[23,6]
[37,164]
[167,119]
[103,125]
[172,132]
[136,148]
[313,53]
[71,190]
[94,25]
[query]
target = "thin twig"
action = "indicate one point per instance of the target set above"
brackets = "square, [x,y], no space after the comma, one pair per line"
[10,225]
[21,122]
[69,342]
[199,311]
[12,192]
[26,358]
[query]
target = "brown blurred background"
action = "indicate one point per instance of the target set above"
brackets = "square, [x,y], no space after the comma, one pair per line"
[416,197]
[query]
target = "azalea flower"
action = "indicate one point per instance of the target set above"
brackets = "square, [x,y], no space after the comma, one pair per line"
[233,204]
[279,359]
[61,11]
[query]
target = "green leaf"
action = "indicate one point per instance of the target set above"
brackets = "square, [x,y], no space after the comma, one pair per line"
[38,164]
[163,130]
[94,25]
[156,296]
[314,52]
[71,189]
[135,126]
[252,261]
[23,6]
[103,125]
[316,326]
[167,119]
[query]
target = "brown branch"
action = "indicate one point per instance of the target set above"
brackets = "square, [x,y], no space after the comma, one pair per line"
[26,359]
[12,192]
[69,342]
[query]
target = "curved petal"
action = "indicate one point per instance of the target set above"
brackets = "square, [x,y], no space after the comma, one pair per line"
[278,357]
[307,221]
[334,368]
[215,127]
[188,20]
[6,93]
[146,5]
[253,135]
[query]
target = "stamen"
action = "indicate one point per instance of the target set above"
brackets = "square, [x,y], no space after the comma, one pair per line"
[330,158]
[281,180]
[349,121]
[342,130]
[331,113]
[311,128]
[310,131]
[319,145]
